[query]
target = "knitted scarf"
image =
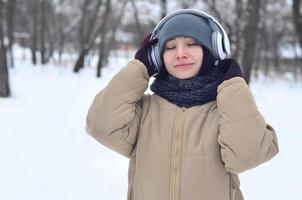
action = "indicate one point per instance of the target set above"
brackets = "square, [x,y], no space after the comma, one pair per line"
[198,90]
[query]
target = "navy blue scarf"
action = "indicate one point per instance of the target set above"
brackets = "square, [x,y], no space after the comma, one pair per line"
[198,90]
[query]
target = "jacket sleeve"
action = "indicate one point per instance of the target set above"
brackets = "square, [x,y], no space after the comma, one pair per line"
[246,140]
[113,118]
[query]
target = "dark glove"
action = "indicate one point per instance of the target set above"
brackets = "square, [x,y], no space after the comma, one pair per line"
[142,53]
[231,68]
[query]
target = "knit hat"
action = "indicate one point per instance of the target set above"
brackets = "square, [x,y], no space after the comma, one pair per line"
[186,25]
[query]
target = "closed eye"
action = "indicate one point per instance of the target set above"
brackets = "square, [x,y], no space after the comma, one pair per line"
[170,48]
[192,44]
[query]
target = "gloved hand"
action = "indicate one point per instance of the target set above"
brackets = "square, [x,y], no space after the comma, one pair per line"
[231,68]
[142,54]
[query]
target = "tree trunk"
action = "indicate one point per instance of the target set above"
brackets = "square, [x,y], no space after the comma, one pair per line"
[34,35]
[250,38]
[87,36]
[61,36]
[105,48]
[262,55]
[298,19]
[101,56]
[80,61]
[42,31]
[61,32]
[238,31]
[4,82]
[82,24]
[11,6]
[257,61]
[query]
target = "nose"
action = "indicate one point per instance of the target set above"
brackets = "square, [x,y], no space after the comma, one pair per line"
[181,52]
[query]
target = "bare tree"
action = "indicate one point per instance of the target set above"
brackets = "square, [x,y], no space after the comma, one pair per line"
[10,15]
[102,45]
[250,37]
[4,81]
[105,45]
[50,30]
[238,29]
[298,18]
[61,34]
[89,33]
[34,31]
[42,30]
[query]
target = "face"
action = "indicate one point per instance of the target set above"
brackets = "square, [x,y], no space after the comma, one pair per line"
[183,57]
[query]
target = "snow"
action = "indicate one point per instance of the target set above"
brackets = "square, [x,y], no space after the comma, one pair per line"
[46,154]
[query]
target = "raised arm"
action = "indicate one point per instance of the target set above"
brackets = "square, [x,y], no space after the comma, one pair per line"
[113,118]
[245,138]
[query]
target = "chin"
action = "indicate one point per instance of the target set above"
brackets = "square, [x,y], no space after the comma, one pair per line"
[184,76]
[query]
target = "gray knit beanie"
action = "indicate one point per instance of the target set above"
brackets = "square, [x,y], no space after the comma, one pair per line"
[186,25]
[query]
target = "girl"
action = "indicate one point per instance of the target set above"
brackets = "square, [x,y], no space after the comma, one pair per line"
[200,128]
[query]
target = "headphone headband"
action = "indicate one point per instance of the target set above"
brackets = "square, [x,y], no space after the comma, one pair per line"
[186,11]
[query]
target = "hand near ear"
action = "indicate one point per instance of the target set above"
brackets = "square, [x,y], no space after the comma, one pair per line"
[142,53]
[231,68]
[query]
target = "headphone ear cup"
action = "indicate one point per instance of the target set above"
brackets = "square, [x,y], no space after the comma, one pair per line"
[158,59]
[154,57]
[226,44]
[214,45]
[217,45]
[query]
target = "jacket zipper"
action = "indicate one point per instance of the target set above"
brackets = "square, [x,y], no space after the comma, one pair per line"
[176,155]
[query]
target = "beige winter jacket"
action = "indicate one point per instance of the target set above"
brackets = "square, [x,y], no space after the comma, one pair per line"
[181,153]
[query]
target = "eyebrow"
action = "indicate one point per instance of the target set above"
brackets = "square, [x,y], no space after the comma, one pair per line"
[173,40]
[190,38]
[186,38]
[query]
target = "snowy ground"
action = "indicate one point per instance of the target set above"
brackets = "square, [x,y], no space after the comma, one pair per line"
[45,153]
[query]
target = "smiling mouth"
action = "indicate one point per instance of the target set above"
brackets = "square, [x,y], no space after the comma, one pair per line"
[184,66]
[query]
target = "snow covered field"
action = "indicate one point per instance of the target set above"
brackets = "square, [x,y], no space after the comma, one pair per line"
[45,153]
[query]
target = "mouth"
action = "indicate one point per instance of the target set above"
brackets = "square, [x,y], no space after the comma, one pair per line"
[184,66]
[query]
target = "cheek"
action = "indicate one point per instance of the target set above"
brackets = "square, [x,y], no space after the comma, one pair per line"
[198,55]
[201,58]
[167,59]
